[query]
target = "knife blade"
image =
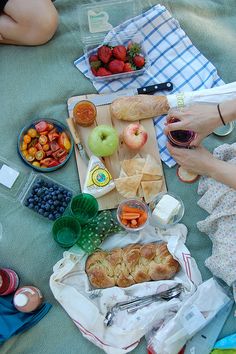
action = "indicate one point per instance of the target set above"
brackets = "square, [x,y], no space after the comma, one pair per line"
[104,99]
[77,141]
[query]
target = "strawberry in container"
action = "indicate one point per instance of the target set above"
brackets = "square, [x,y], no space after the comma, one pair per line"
[114,61]
[45,145]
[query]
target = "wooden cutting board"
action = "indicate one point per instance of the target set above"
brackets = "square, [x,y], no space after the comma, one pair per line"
[113,198]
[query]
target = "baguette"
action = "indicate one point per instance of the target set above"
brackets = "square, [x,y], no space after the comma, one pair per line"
[139,107]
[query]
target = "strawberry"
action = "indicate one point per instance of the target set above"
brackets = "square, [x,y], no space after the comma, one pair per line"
[128,67]
[133,49]
[103,72]
[139,61]
[104,54]
[116,66]
[94,71]
[93,58]
[119,52]
[96,64]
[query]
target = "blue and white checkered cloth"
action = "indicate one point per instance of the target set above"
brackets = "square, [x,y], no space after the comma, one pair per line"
[171,56]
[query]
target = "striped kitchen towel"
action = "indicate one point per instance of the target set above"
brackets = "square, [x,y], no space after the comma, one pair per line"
[171,57]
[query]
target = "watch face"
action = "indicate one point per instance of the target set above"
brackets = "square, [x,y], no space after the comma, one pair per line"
[224,129]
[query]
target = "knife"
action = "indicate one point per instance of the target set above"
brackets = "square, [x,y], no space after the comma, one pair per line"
[104,99]
[77,141]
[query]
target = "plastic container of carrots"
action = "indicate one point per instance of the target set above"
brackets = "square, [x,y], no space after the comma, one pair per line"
[132,214]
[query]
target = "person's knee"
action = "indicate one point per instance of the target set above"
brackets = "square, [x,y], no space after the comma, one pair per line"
[43,29]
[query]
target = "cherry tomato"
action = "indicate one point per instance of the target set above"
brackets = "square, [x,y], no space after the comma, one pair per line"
[32,132]
[39,155]
[38,146]
[59,154]
[23,146]
[49,162]
[54,146]
[36,163]
[41,126]
[30,158]
[64,141]
[46,147]
[32,151]
[52,135]
[43,139]
[24,153]
[49,153]
[27,139]
[50,126]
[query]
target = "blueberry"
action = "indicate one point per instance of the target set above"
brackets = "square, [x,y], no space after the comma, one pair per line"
[50,189]
[69,194]
[62,210]
[46,213]
[36,199]
[50,216]
[50,202]
[54,198]
[67,199]
[52,207]
[41,211]
[36,208]
[31,205]
[57,215]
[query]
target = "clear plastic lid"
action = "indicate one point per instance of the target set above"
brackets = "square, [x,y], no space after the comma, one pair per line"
[13,179]
[97,19]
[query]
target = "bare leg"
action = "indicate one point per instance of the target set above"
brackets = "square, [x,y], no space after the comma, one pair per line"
[28,22]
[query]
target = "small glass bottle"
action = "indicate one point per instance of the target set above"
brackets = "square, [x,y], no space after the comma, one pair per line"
[27,299]
[9,281]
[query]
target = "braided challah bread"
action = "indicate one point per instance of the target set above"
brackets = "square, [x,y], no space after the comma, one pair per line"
[131,265]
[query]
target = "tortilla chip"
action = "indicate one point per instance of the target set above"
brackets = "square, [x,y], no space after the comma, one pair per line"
[151,189]
[128,186]
[152,167]
[147,177]
[122,173]
[133,166]
[140,192]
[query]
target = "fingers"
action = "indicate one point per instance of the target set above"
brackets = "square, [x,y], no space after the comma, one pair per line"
[169,127]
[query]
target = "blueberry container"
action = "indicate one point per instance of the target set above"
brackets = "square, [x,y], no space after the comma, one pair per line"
[37,192]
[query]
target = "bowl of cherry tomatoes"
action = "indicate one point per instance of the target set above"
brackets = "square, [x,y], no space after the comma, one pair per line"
[45,145]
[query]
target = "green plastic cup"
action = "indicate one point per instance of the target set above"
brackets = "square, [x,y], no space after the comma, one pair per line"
[66,231]
[84,207]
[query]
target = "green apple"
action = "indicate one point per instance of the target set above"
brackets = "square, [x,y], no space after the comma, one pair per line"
[103,140]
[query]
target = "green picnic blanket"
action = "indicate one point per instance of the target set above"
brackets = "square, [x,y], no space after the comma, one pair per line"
[36,82]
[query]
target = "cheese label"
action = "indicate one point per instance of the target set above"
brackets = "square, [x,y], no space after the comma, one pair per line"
[99,176]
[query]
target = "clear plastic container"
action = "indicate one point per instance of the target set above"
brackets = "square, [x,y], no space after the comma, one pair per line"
[129,205]
[97,21]
[17,185]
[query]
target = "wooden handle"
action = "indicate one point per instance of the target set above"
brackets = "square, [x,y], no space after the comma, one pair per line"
[73,130]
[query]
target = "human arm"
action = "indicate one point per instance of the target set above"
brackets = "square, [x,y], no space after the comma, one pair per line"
[202,162]
[201,118]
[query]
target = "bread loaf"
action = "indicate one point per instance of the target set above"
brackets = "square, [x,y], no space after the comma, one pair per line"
[130,265]
[138,107]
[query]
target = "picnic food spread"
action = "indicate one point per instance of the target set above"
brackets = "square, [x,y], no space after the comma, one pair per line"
[130,265]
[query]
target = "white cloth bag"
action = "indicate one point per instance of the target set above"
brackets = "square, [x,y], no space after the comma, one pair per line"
[87,307]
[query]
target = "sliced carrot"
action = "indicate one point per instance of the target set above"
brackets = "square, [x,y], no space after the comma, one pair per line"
[133,222]
[128,209]
[130,216]
[142,219]
[124,221]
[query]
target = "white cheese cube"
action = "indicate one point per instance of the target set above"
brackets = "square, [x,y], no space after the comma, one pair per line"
[166,209]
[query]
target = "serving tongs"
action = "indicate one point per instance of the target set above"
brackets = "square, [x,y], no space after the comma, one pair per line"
[140,302]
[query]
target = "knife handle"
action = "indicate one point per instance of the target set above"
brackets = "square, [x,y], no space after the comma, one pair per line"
[167,86]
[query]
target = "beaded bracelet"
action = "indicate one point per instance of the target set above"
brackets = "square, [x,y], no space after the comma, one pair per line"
[218,107]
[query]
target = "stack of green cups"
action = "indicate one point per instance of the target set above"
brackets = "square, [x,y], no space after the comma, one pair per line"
[66,231]
[84,208]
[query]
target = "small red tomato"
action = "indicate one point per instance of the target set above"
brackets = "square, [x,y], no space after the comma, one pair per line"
[54,146]
[52,135]
[38,146]
[59,154]
[41,126]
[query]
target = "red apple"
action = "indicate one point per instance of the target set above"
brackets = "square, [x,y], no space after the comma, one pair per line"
[135,136]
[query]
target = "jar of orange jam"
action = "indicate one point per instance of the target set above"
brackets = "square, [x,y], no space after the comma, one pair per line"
[84,113]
